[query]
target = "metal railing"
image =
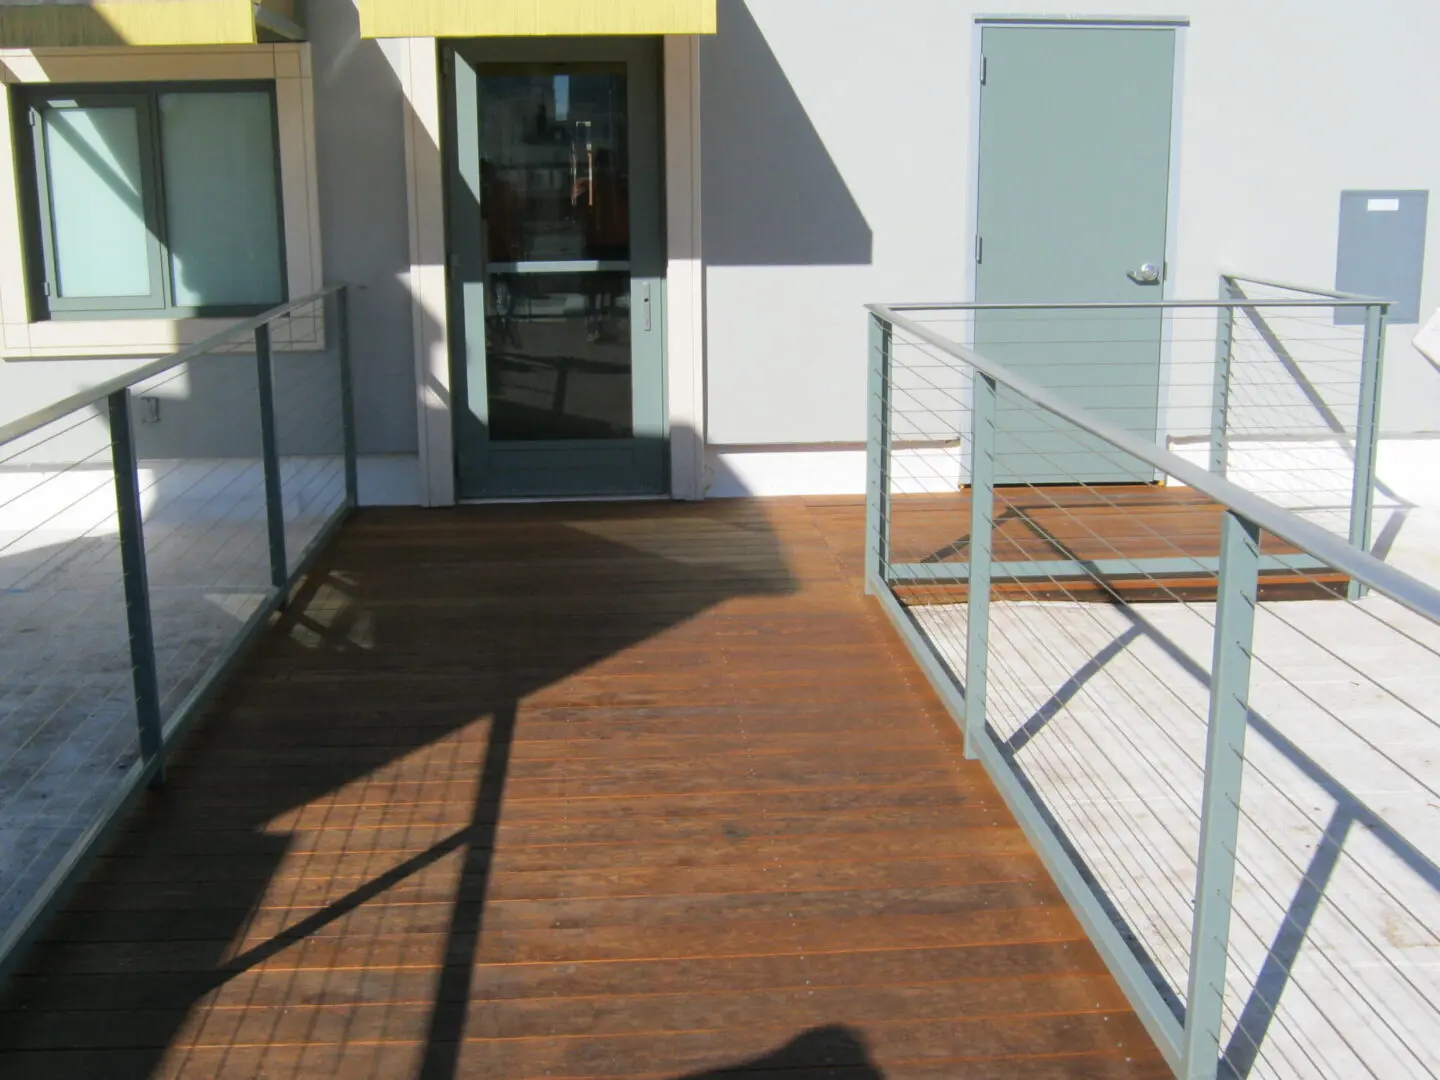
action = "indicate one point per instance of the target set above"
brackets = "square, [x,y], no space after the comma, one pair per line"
[149,527]
[1274,386]
[1121,655]
[1310,379]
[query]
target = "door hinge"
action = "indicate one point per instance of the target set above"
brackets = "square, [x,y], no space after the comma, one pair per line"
[45,287]
[979,249]
[34,117]
[984,69]
[447,62]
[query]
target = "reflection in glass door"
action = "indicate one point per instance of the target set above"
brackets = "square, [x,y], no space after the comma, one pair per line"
[555,202]
[557,272]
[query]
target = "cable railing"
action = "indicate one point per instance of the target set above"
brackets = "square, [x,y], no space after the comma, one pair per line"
[1297,403]
[1274,386]
[1215,718]
[149,527]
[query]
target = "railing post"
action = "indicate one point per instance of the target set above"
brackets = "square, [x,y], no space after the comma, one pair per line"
[347,395]
[1367,435]
[145,679]
[877,454]
[1220,807]
[1220,406]
[270,459]
[982,521]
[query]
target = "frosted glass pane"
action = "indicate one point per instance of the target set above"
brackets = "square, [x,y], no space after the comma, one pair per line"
[96,207]
[222,215]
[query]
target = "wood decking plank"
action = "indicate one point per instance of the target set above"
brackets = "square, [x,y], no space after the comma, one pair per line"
[494,982]
[630,790]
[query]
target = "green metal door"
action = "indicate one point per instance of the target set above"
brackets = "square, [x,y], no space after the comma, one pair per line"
[1073,201]
[557,256]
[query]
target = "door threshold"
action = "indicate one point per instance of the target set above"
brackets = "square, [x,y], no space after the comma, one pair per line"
[531,499]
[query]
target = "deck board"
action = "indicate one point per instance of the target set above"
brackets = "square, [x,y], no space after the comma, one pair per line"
[575,791]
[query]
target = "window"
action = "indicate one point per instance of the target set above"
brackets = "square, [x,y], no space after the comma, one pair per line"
[155,201]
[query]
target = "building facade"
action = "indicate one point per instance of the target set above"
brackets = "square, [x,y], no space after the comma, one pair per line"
[615,249]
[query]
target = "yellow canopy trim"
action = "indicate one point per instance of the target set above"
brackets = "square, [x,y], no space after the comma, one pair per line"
[533,18]
[67,23]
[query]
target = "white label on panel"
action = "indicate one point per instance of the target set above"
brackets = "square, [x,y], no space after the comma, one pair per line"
[1382,204]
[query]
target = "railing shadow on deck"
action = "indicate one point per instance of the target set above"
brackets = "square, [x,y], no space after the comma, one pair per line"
[1258,931]
[356,610]
[1257,1014]
[1255,1017]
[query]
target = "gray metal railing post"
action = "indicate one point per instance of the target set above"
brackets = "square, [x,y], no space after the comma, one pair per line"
[145,678]
[982,521]
[1220,406]
[270,459]
[1220,807]
[347,395]
[1367,435]
[877,448]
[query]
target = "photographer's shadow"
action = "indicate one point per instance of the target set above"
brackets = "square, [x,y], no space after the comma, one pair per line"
[834,1051]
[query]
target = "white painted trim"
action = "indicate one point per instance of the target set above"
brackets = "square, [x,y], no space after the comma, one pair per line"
[972,199]
[1122,22]
[47,503]
[753,471]
[287,64]
[1165,381]
[419,71]
[1409,466]
[1427,341]
[741,472]
[685,273]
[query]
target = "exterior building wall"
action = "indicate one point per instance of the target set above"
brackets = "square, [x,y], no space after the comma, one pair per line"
[364,214]
[834,167]
[839,162]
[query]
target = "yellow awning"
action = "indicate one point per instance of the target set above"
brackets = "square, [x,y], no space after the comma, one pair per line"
[526,18]
[68,23]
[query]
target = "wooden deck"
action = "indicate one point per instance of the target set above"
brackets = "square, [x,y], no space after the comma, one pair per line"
[643,790]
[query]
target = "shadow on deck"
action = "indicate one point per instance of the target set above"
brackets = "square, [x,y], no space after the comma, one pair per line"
[1171,530]
[641,790]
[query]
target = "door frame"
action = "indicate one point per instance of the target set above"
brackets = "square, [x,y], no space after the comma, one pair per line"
[1180,25]
[417,64]
[499,463]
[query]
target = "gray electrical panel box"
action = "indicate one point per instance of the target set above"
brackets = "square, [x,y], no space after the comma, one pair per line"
[1382,248]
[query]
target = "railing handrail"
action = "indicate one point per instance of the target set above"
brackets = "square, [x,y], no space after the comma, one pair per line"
[1332,294]
[157,732]
[54,411]
[1322,300]
[1403,588]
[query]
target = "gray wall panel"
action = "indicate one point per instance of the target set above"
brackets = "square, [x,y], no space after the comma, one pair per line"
[364,217]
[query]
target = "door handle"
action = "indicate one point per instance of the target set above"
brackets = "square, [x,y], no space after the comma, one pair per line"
[1148,274]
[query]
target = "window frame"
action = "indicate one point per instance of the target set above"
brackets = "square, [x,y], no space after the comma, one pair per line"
[38,238]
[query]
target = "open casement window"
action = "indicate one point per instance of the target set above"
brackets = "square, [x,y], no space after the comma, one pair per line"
[155,201]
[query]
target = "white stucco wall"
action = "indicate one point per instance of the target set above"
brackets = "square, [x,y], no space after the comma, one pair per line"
[1284,105]
[836,170]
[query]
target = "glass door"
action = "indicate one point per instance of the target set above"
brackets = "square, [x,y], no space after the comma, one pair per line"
[557,267]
